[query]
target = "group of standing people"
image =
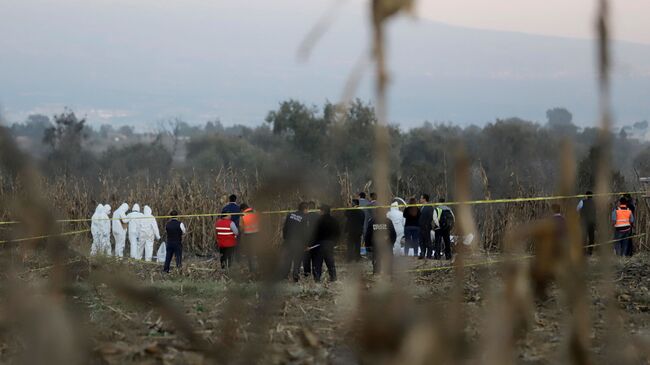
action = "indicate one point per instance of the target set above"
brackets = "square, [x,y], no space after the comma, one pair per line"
[309,241]
[236,230]
[426,230]
[140,228]
[622,218]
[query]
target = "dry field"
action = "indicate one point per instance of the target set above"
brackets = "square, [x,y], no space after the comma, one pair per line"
[128,312]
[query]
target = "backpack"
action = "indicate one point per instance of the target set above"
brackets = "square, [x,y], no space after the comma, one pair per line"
[446,220]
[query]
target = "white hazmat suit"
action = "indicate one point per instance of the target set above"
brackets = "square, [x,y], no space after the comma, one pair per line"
[96,230]
[105,247]
[134,219]
[397,217]
[148,231]
[119,231]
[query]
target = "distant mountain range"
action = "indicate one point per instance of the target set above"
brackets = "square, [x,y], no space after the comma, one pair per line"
[237,70]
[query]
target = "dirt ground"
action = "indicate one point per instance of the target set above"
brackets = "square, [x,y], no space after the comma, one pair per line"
[145,316]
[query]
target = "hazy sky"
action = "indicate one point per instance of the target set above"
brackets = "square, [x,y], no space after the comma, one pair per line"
[143,61]
[568,18]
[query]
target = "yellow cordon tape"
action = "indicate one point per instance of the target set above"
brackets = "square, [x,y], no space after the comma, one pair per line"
[368,207]
[45,236]
[523,257]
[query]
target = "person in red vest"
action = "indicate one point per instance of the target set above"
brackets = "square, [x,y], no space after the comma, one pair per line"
[226,237]
[249,224]
[623,220]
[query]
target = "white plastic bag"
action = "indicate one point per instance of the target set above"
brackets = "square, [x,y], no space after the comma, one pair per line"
[162,252]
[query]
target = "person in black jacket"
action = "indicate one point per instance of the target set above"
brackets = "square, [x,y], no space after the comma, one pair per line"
[379,233]
[587,210]
[326,235]
[412,228]
[354,221]
[311,220]
[175,231]
[426,225]
[294,232]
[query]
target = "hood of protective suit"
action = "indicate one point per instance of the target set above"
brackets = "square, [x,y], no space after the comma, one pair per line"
[147,210]
[136,207]
[123,208]
[107,209]
[99,209]
[394,206]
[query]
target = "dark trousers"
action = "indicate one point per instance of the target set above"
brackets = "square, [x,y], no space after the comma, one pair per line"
[248,250]
[227,256]
[173,249]
[590,231]
[354,246]
[442,236]
[379,259]
[324,253]
[412,237]
[426,246]
[307,259]
[293,254]
[623,245]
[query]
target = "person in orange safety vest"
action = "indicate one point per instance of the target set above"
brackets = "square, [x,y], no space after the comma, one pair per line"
[623,220]
[249,225]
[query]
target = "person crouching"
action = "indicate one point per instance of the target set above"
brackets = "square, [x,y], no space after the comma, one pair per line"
[226,237]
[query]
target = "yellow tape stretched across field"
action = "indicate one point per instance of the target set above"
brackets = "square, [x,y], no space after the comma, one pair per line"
[518,258]
[45,236]
[370,207]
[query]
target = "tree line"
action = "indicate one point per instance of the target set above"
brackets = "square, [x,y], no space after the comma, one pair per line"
[323,145]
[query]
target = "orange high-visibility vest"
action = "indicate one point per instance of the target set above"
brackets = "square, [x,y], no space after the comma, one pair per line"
[623,217]
[250,222]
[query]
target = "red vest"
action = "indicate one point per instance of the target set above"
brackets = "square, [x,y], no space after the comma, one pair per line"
[225,236]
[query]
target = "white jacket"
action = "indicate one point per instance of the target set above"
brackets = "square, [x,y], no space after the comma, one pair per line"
[397,217]
[148,226]
[134,219]
[118,218]
[96,225]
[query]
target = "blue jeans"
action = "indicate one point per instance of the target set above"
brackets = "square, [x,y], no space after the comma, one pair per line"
[623,247]
[412,237]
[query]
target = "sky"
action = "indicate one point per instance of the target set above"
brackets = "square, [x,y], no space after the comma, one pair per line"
[566,18]
[144,62]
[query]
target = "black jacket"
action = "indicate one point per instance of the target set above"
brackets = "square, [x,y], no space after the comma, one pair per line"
[377,232]
[588,211]
[295,227]
[412,215]
[327,229]
[426,218]
[354,221]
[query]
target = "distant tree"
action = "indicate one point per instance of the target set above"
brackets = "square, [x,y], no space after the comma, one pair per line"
[105,130]
[67,133]
[152,160]
[65,140]
[301,126]
[560,120]
[214,152]
[588,168]
[212,127]
[34,127]
[126,130]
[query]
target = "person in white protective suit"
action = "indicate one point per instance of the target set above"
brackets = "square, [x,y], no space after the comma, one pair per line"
[96,229]
[397,217]
[105,247]
[148,231]
[134,219]
[119,229]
